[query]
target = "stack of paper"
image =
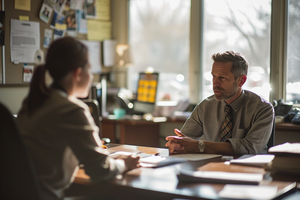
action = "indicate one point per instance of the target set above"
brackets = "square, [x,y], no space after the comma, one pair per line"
[287,158]
[223,173]
[257,160]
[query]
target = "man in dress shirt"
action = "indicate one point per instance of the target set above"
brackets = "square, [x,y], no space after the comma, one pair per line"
[252,116]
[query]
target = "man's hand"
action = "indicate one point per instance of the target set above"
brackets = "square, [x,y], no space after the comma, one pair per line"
[178,132]
[181,143]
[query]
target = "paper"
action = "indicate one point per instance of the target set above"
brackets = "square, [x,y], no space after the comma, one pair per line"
[194,157]
[248,192]
[257,160]
[24,41]
[27,73]
[77,5]
[109,52]
[287,147]
[159,161]
[98,30]
[47,37]
[58,21]
[94,55]
[119,153]
[22,4]
[219,177]
[81,22]
[58,34]
[103,9]
[24,18]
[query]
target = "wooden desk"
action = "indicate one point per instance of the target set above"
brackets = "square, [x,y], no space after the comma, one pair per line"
[134,132]
[147,133]
[289,127]
[160,183]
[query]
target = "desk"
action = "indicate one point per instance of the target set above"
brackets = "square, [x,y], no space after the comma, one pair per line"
[287,127]
[147,133]
[160,183]
[134,132]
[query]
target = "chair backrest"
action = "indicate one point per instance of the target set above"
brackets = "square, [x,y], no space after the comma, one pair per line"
[272,137]
[94,109]
[18,180]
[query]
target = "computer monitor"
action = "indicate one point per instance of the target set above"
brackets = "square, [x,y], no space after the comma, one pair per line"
[146,93]
[105,97]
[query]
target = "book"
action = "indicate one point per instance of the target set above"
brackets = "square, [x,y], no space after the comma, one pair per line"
[290,149]
[216,172]
[253,160]
[286,160]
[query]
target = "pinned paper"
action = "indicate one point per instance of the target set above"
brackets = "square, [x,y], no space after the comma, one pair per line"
[22,4]
[98,30]
[27,73]
[24,18]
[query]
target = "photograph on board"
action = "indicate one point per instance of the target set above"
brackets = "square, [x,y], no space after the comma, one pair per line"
[70,20]
[45,13]
[90,9]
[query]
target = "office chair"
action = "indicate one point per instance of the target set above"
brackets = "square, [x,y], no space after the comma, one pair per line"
[18,180]
[94,109]
[272,137]
[95,112]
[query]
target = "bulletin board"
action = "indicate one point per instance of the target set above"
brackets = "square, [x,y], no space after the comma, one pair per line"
[13,72]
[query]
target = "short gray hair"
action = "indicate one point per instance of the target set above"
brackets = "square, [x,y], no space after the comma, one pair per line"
[239,62]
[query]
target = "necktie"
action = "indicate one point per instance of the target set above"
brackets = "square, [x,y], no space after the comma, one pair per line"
[226,131]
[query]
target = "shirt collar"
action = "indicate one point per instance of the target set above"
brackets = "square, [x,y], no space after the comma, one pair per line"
[237,104]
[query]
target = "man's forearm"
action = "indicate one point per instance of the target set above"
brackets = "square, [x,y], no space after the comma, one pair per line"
[223,148]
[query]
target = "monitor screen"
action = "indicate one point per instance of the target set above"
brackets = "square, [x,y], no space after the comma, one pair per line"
[146,92]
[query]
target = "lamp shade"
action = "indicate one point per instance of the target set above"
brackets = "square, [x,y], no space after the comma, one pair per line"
[123,55]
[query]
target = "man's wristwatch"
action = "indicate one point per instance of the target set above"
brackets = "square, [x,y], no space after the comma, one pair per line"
[201,146]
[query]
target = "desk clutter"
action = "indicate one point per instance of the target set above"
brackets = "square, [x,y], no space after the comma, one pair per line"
[286,159]
[189,176]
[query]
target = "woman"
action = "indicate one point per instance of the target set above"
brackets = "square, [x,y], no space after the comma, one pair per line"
[58,129]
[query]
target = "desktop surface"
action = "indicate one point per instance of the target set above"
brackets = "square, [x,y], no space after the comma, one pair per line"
[162,183]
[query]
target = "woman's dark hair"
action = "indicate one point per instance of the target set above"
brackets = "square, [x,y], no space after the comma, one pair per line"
[63,56]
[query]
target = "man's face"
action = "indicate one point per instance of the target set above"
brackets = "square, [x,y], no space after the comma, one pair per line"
[224,85]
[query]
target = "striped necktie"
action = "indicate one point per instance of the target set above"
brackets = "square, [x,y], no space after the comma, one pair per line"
[226,131]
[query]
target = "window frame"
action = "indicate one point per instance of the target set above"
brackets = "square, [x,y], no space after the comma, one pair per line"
[278,45]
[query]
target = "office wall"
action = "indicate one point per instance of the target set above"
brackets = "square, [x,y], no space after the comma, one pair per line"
[14,72]
[12,97]
[14,91]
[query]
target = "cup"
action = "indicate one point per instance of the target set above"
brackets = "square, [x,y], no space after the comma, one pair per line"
[119,112]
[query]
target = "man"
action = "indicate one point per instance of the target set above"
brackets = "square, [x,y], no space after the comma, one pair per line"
[249,118]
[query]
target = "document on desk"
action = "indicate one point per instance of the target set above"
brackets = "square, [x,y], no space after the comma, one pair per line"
[255,160]
[24,41]
[216,172]
[160,161]
[195,157]
[248,192]
[148,160]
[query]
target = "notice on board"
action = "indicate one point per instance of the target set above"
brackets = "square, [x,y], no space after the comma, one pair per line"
[24,41]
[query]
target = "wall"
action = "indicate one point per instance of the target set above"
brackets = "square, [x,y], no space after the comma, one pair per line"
[12,97]
[14,91]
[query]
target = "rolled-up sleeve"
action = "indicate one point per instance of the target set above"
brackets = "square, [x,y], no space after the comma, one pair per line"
[82,135]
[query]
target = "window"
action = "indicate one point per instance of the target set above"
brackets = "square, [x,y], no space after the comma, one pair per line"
[162,42]
[159,38]
[293,53]
[242,26]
